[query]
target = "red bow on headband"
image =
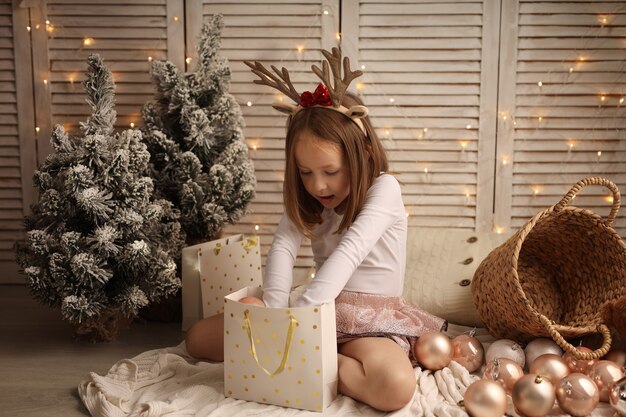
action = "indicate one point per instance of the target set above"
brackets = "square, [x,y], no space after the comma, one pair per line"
[319,98]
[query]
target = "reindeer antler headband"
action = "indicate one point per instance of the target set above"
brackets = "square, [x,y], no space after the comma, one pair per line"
[325,95]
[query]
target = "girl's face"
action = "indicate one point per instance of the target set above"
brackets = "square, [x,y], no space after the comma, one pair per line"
[323,170]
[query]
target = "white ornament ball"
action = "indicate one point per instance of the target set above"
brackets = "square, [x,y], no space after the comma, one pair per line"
[508,349]
[541,346]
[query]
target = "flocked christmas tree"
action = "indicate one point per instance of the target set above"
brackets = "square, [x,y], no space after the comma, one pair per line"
[98,245]
[194,132]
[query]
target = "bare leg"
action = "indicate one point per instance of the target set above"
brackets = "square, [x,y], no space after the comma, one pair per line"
[377,372]
[205,339]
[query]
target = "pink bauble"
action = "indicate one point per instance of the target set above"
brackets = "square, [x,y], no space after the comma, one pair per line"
[582,366]
[540,346]
[468,352]
[605,374]
[533,395]
[503,371]
[551,366]
[617,355]
[506,348]
[577,394]
[617,397]
[433,350]
[485,399]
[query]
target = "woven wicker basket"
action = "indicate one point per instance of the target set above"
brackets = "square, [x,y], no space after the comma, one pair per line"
[553,275]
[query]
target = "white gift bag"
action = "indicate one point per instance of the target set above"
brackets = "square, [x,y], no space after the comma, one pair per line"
[281,356]
[211,270]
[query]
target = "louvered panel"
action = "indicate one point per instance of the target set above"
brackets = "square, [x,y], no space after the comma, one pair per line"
[569,105]
[272,32]
[422,83]
[125,35]
[15,196]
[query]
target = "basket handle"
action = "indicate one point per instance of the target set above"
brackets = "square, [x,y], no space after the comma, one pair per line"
[568,347]
[592,181]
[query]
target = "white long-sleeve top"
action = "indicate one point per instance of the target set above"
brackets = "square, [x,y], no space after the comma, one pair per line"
[368,257]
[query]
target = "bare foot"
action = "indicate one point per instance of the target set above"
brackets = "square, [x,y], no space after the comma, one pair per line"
[252,300]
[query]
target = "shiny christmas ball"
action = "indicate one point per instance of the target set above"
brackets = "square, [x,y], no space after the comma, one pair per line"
[506,348]
[433,350]
[577,394]
[617,355]
[617,397]
[605,374]
[468,352]
[503,371]
[533,395]
[551,366]
[485,399]
[582,366]
[540,346]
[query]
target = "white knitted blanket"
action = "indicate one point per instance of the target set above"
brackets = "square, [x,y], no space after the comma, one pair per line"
[167,382]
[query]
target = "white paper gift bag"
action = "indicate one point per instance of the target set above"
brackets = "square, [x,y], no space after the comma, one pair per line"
[281,356]
[211,270]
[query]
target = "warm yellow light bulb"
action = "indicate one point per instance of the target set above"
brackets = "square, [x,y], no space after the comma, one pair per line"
[602,98]
[621,100]
[468,127]
[571,69]
[499,230]
[188,60]
[175,18]
[256,227]
[300,48]
[362,67]
[391,100]
[463,145]
[149,59]
[360,86]
[609,199]
[132,125]
[88,41]
[249,104]
[540,118]
[599,153]
[425,129]
[45,82]
[37,129]
[28,28]
[326,12]
[540,84]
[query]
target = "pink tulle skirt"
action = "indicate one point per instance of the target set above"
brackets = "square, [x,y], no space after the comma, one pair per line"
[372,315]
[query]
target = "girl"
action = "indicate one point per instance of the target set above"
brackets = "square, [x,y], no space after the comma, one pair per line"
[336,193]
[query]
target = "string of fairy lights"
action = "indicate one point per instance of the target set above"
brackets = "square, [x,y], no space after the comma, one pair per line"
[557,80]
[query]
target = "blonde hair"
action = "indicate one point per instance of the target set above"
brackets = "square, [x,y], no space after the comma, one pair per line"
[363,155]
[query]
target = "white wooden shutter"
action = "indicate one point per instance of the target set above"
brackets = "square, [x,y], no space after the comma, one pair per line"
[271,32]
[17,149]
[424,84]
[572,125]
[126,34]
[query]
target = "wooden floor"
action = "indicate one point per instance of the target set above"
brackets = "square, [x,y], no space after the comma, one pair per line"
[41,366]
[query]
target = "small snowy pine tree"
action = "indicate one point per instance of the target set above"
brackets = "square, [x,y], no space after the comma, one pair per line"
[98,245]
[194,132]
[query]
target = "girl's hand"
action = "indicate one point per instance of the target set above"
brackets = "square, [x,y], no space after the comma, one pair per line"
[252,300]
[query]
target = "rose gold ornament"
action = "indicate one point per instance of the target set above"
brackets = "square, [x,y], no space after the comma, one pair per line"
[551,366]
[503,371]
[582,366]
[533,395]
[618,356]
[617,396]
[506,348]
[605,374]
[468,352]
[577,394]
[485,399]
[433,350]
[540,346]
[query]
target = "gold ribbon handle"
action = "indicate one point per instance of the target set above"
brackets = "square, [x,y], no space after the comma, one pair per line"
[251,242]
[248,328]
